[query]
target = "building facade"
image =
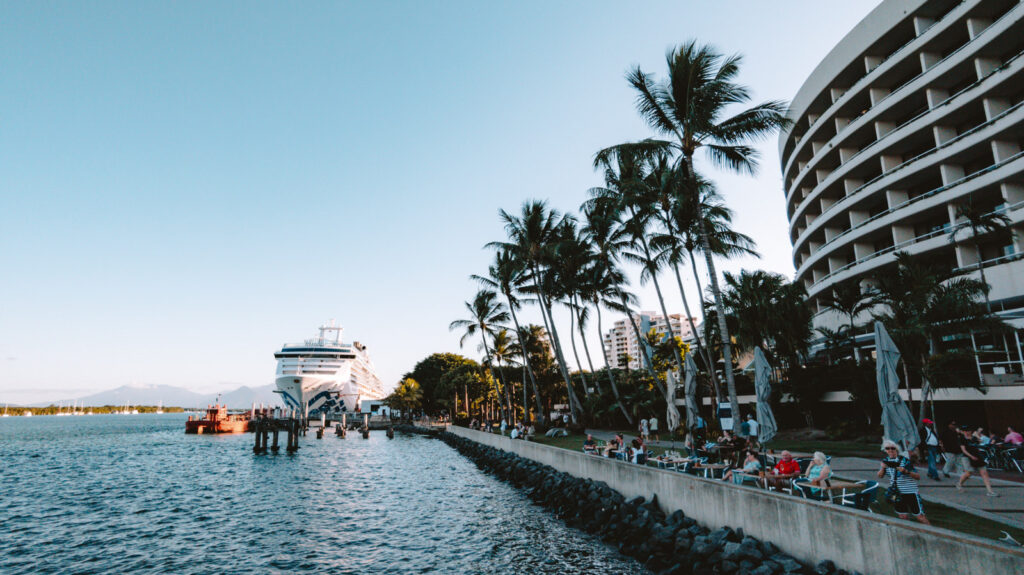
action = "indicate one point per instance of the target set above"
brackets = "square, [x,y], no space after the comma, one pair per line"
[916,113]
[622,346]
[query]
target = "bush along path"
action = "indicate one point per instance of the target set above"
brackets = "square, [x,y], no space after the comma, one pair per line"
[668,545]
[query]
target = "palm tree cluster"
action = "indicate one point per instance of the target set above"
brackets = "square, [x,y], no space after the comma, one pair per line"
[654,211]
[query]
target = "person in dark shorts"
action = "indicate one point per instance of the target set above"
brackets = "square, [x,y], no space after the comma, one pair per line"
[975,463]
[903,491]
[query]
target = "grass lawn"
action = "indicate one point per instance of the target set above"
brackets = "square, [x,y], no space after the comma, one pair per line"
[940,515]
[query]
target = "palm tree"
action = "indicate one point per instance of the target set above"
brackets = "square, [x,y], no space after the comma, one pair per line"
[507,274]
[768,312]
[486,316]
[628,187]
[849,300]
[923,304]
[406,397]
[994,225]
[531,237]
[688,108]
[503,351]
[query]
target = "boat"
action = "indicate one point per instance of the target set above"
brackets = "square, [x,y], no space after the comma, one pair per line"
[5,411]
[324,375]
[28,413]
[61,412]
[160,408]
[218,420]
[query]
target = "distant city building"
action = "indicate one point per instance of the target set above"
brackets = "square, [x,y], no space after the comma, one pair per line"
[918,111]
[621,342]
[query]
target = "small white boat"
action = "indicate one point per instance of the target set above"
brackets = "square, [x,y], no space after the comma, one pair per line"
[160,408]
[27,413]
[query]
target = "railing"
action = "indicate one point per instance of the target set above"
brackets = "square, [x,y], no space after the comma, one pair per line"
[860,226]
[941,231]
[803,204]
[831,110]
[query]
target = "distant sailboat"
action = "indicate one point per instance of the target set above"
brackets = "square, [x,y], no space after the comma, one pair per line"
[28,413]
[160,408]
[5,411]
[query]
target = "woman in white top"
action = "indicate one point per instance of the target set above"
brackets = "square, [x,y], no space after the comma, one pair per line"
[643,429]
[652,425]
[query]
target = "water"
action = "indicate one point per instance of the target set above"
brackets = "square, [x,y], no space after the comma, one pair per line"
[103,494]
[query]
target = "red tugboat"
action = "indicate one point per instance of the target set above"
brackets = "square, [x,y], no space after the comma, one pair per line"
[218,420]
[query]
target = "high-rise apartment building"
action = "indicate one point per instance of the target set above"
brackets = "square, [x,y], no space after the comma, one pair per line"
[623,347]
[915,114]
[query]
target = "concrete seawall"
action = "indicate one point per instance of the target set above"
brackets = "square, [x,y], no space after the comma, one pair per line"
[808,530]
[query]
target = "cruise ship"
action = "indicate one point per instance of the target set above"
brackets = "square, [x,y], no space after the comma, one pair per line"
[324,375]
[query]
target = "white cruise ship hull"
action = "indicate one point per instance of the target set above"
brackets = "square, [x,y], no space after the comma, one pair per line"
[320,393]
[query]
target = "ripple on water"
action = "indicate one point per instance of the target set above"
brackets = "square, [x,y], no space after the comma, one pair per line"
[134,494]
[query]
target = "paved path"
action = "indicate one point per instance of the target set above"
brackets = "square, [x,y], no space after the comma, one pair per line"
[1007,508]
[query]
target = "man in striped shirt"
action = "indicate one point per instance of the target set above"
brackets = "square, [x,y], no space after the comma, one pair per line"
[902,483]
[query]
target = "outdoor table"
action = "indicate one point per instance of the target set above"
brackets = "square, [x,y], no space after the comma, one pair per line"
[780,480]
[670,463]
[749,477]
[709,469]
[843,486]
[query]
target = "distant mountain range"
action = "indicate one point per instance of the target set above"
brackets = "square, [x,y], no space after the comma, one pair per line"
[172,396]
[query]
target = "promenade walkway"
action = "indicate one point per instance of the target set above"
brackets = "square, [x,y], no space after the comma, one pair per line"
[1008,508]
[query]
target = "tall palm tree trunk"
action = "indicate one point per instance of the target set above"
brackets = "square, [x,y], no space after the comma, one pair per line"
[608,368]
[494,374]
[553,336]
[703,351]
[575,407]
[672,412]
[572,340]
[586,348]
[723,329]
[526,361]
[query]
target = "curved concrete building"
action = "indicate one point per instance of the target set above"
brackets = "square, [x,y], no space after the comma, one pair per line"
[918,110]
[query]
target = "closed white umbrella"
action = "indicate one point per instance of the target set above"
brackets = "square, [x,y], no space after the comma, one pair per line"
[763,386]
[690,388]
[896,418]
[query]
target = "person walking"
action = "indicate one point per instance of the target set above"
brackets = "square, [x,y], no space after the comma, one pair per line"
[903,491]
[975,463]
[752,429]
[949,442]
[644,430]
[652,425]
[930,447]
[503,426]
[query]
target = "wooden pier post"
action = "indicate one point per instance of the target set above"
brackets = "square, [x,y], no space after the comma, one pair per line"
[274,447]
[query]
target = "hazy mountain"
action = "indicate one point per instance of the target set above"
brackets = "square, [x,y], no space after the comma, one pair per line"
[172,396]
[245,396]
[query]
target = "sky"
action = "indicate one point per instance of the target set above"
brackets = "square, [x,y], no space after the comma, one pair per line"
[186,186]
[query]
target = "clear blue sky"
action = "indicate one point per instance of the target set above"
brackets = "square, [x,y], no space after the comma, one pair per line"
[185,186]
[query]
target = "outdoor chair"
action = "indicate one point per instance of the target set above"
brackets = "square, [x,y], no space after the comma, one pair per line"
[804,463]
[863,498]
[803,488]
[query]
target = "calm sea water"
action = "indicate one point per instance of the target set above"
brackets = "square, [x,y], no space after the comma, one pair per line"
[134,494]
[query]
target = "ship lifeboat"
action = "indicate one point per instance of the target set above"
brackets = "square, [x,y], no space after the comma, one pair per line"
[218,420]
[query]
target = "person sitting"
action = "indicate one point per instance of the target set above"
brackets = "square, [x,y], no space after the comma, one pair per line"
[636,451]
[516,432]
[819,472]
[1013,437]
[751,466]
[613,446]
[787,465]
[589,446]
[981,437]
